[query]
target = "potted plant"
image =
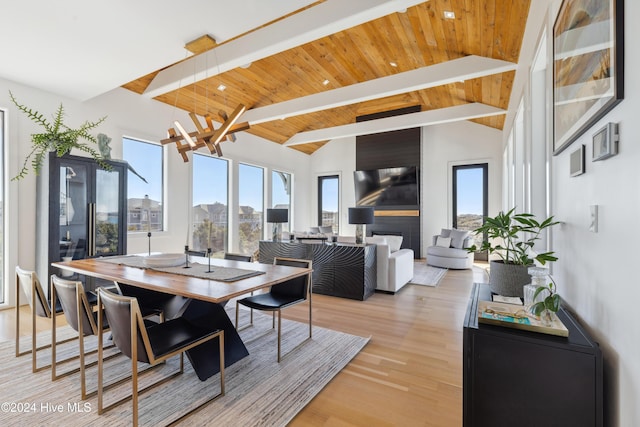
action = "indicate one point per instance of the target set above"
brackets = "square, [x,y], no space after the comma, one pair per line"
[512,236]
[56,137]
[550,304]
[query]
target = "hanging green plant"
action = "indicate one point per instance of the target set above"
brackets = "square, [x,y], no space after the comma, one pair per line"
[57,137]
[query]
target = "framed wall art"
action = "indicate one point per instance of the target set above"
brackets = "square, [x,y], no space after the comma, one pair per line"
[588,66]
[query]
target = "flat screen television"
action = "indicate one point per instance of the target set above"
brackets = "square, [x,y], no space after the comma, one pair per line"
[392,187]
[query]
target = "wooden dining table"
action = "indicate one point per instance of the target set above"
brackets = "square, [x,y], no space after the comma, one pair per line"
[197,299]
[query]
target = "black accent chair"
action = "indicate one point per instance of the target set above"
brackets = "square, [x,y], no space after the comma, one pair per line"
[282,295]
[28,281]
[237,257]
[149,344]
[81,317]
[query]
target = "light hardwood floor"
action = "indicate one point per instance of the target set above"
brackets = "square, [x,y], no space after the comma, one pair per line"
[410,372]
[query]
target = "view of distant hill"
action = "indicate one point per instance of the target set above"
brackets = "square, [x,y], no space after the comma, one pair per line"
[469,221]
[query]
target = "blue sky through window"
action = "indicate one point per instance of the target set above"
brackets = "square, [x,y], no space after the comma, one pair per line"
[469,188]
[210,181]
[146,159]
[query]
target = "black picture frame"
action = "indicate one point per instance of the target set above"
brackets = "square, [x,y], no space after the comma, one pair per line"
[588,66]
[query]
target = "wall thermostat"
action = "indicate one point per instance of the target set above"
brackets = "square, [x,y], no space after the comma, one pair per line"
[605,142]
[576,162]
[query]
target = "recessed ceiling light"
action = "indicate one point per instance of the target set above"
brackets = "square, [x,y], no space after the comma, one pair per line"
[393,64]
[325,82]
[245,66]
[449,15]
[221,87]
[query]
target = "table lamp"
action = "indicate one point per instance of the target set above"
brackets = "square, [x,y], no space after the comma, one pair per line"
[360,216]
[277,217]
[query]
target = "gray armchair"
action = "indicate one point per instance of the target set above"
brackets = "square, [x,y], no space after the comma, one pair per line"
[448,249]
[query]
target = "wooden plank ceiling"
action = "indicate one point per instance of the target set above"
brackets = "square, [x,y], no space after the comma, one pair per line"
[419,37]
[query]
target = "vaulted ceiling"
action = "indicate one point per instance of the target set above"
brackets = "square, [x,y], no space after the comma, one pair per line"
[305,69]
[399,42]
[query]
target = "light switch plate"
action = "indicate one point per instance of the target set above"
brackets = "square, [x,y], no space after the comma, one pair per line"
[593,218]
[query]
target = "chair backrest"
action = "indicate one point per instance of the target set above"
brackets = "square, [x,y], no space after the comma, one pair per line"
[29,283]
[73,301]
[237,257]
[122,314]
[298,287]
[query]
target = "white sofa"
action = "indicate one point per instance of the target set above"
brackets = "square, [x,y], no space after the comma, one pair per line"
[394,269]
[451,253]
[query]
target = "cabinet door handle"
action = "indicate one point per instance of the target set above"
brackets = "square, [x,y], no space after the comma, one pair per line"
[92,229]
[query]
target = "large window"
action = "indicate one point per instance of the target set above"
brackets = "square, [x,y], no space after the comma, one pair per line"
[251,205]
[2,207]
[281,194]
[144,185]
[470,202]
[328,201]
[209,214]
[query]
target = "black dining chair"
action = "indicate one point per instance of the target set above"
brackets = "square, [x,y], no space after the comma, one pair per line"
[149,344]
[81,317]
[282,295]
[28,281]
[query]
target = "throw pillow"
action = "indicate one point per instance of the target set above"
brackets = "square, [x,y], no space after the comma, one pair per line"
[445,242]
[326,230]
[394,242]
[314,230]
[377,240]
[457,238]
[445,232]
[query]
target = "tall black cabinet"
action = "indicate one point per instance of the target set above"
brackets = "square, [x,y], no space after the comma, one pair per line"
[81,212]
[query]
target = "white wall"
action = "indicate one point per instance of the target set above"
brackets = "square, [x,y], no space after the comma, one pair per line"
[134,116]
[596,272]
[448,145]
[337,157]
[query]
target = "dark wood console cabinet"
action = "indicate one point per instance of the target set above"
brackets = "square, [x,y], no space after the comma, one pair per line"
[339,270]
[520,378]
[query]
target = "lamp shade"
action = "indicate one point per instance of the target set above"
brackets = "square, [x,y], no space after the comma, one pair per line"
[277,215]
[361,215]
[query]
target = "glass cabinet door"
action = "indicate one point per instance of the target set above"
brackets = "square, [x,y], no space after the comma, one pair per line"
[73,211]
[107,206]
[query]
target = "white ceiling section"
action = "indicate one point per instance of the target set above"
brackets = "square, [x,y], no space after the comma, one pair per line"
[82,49]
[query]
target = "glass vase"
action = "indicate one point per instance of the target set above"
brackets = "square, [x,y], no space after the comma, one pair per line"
[539,277]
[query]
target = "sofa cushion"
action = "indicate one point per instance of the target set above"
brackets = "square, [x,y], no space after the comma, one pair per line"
[377,240]
[457,237]
[394,242]
[445,232]
[443,242]
[447,252]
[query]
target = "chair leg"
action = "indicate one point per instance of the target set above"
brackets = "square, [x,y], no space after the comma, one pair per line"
[310,323]
[279,329]
[237,309]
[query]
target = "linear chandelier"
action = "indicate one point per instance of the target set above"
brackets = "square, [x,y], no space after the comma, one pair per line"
[206,136]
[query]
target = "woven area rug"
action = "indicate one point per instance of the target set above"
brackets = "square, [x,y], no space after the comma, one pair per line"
[426,275]
[259,391]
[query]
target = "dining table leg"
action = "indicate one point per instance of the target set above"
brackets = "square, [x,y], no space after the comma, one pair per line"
[204,358]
